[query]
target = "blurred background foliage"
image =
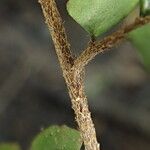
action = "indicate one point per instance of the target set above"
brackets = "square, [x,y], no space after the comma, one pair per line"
[33,94]
[141,39]
[9,146]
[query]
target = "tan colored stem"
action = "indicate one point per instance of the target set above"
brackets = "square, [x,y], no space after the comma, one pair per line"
[75,84]
[73,78]
[73,69]
[57,30]
[108,42]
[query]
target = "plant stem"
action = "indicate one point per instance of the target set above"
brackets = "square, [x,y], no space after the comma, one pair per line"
[73,78]
[108,42]
[57,30]
[75,84]
[73,69]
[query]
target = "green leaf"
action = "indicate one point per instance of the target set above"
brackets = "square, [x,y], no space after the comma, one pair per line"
[57,138]
[97,16]
[9,146]
[141,39]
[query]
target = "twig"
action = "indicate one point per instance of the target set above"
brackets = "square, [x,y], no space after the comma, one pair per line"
[75,84]
[57,30]
[73,78]
[73,70]
[100,46]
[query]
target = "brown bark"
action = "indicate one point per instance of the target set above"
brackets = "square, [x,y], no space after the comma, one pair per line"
[108,42]
[73,69]
[73,78]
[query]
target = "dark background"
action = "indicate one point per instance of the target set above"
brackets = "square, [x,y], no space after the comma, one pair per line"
[33,94]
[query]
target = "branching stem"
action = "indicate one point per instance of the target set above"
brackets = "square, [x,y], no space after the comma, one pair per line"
[73,69]
[73,78]
[108,42]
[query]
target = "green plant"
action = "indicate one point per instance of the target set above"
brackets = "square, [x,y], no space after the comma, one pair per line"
[56,137]
[96,17]
[52,138]
[141,40]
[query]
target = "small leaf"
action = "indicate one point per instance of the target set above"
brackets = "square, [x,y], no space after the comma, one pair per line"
[97,16]
[9,146]
[57,138]
[141,39]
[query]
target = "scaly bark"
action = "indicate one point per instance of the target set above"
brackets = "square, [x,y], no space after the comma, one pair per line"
[108,42]
[73,78]
[73,69]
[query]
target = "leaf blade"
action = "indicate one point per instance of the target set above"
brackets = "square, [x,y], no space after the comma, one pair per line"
[141,40]
[97,16]
[57,138]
